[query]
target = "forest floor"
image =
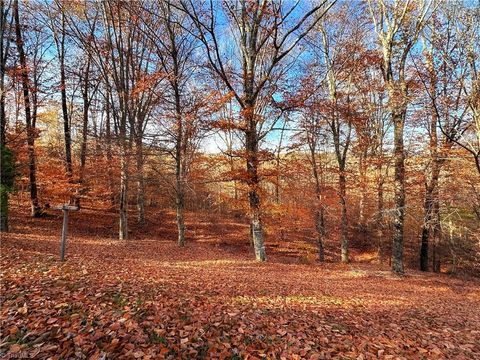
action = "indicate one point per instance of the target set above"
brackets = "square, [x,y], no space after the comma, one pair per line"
[146,298]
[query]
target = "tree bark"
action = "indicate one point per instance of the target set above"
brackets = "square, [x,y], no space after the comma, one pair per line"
[35,207]
[399,189]
[140,181]
[343,221]
[430,216]
[253,188]
[431,202]
[427,209]
[180,182]
[341,155]
[362,167]
[7,163]
[3,117]
[180,153]
[277,164]
[123,206]
[229,143]
[277,179]
[319,211]
[108,131]
[437,234]
[232,169]
[60,42]
[83,149]
[380,216]
[4,51]
[180,204]
[124,177]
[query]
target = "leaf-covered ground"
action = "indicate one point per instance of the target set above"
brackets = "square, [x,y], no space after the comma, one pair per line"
[148,299]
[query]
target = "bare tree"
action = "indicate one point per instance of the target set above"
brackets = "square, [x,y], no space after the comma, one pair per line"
[371,133]
[120,50]
[57,23]
[226,132]
[29,117]
[265,33]
[465,28]
[6,27]
[398,27]
[313,133]
[173,37]
[339,87]
[145,79]
[444,73]
[89,89]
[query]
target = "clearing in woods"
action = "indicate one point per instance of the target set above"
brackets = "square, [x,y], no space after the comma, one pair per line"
[146,298]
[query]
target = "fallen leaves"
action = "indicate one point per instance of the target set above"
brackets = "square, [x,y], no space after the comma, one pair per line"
[51,321]
[15,348]
[23,310]
[153,301]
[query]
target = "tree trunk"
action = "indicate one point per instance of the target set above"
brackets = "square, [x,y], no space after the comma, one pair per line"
[319,212]
[341,155]
[320,227]
[363,190]
[4,48]
[180,153]
[3,58]
[430,217]
[437,233]
[3,117]
[229,142]
[257,229]
[180,203]
[140,181]
[343,221]
[7,163]
[277,163]
[380,217]
[66,130]
[399,186]
[232,169]
[123,224]
[63,91]
[427,209]
[431,202]
[108,131]
[253,187]
[123,208]
[277,182]
[35,207]
[83,149]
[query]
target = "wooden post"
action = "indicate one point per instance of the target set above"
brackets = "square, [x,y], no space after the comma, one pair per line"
[63,241]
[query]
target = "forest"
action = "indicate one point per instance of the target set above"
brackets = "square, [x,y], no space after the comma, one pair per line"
[240,179]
